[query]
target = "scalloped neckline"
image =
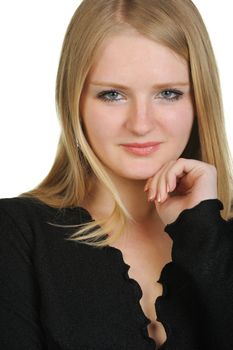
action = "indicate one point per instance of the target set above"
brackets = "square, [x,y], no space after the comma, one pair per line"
[138,292]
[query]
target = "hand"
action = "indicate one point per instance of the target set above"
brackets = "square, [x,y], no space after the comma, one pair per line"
[180,185]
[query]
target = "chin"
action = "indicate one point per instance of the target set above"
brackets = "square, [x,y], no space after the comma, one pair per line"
[147,170]
[139,175]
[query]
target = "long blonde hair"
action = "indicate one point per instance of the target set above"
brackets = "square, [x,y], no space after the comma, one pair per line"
[176,24]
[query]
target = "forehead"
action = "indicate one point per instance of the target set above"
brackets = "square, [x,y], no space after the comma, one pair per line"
[130,55]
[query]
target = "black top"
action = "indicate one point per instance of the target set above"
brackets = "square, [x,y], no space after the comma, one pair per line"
[58,294]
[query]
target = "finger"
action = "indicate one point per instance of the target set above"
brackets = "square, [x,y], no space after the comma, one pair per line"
[170,176]
[164,183]
[172,179]
[179,170]
[154,184]
[147,186]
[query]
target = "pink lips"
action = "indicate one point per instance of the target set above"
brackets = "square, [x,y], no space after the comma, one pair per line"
[142,149]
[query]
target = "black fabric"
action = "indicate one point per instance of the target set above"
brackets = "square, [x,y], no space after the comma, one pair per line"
[63,295]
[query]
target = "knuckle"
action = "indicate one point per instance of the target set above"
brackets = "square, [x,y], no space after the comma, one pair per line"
[213,168]
[210,166]
[181,160]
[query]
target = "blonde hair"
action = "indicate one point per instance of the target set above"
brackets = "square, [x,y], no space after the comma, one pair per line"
[176,24]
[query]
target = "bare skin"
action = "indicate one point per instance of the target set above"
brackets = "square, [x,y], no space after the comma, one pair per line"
[146,255]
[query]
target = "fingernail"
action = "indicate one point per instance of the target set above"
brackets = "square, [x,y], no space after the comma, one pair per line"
[159,198]
[168,189]
[151,197]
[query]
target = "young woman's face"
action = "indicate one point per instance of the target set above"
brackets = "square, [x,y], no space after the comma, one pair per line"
[137,95]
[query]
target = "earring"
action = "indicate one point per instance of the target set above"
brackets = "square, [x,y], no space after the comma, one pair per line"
[78,144]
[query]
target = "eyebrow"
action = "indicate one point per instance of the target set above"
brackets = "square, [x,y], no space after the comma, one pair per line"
[120,86]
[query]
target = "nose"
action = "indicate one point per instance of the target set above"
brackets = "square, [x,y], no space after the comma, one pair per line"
[140,119]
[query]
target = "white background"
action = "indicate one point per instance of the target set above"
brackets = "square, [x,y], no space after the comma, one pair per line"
[31,35]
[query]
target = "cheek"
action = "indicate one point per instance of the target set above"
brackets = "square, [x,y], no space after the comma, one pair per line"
[180,123]
[100,125]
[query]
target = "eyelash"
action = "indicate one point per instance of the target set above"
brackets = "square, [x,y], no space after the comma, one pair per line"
[174,91]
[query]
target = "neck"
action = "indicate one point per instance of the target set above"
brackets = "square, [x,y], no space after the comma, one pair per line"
[100,202]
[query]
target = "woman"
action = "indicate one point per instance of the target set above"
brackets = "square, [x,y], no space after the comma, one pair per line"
[123,246]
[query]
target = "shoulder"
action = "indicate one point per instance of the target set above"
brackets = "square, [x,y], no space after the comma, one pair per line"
[29,208]
[23,211]
[17,206]
[30,218]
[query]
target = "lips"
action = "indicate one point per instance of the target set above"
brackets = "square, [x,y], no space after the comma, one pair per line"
[142,145]
[142,149]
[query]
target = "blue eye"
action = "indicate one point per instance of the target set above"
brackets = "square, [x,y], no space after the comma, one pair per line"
[171,95]
[109,96]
